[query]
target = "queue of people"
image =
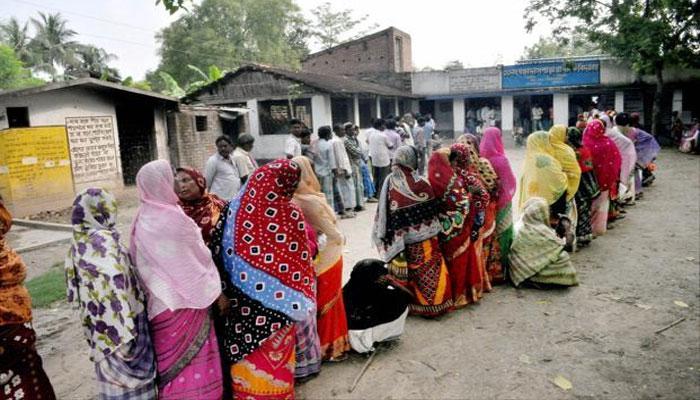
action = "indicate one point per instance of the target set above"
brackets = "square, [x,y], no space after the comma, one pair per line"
[241,296]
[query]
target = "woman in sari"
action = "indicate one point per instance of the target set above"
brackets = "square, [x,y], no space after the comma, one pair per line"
[606,167]
[261,243]
[101,281]
[332,323]
[491,148]
[566,156]
[646,147]
[21,371]
[588,188]
[467,162]
[628,160]
[461,214]
[544,177]
[537,256]
[405,232]
[202,207]
[181,283]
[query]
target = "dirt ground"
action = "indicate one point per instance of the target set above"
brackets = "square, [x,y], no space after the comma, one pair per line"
[599,336]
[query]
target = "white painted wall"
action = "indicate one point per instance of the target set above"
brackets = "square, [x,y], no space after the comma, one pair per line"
[677,102]
[507,115]
[459,115]
[561,108]
[53,107]
[430,83]
[619,101]
[321,111]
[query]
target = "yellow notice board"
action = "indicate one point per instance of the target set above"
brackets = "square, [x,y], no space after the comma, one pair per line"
[35,168]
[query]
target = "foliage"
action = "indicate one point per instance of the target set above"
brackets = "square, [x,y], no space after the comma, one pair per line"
[48,288]
[12,74]
[547,47]
[93,62]
[17,38]
[130,82]
[453,65]
[173,5]
[171,88]
[331,27]
[52,44]
[213,74]
[229,33]
[647,33]
[652,35]
[54,51]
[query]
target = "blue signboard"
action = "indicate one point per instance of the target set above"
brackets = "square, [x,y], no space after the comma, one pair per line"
[548,74]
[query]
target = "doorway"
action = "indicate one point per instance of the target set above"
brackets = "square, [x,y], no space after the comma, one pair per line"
[136,138]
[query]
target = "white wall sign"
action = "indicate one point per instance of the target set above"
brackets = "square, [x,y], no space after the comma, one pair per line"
[92,148]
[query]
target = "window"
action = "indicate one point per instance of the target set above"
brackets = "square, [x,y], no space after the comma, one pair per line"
[200,123]
[274,115]
[398,54]
[18,117]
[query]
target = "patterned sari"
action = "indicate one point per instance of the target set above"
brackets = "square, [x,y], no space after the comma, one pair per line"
[588,188]
[21,371]
[100,277]
[332,323]
[405,232]
[491,147]
[181,283]
[607,163]
[538,254]
[205,210]
[261,244]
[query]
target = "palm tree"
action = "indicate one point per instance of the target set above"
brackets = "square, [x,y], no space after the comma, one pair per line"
[53,44]
[94,62]
[213,74]
[16,37]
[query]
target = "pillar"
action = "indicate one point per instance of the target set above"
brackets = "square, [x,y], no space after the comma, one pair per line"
[356,110]
[677,103]
[619,101]
[507,116]
[396,106]
[321,111]
[561,108]
[253,119]
[161,133]
[458,116]
[379,107]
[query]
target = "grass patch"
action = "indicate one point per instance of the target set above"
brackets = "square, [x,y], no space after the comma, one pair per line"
[48,288]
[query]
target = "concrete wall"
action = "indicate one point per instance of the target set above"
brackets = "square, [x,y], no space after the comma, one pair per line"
[52,108]
[470,80]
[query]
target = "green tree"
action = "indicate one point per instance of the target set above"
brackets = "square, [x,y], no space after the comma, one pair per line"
[453,65]
[213,74]
[171,86]
[53,44]
[173,5]
[130,82]
[547,47]
[229,33]
[652,35]
[15,35]
[94,62]
[331,27]
[13,75]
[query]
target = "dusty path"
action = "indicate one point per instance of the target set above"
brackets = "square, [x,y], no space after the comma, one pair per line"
[599,336]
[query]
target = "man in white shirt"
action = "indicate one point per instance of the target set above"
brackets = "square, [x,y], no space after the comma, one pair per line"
[292,147]
[420,143]
[343,175]
[245,163]
[536,114]
[325,164]
[220,172]
[379,146]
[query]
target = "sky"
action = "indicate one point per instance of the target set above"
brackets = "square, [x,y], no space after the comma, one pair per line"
[476,32]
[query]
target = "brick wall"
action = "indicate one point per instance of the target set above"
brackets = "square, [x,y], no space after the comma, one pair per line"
[189,147]
[370,54]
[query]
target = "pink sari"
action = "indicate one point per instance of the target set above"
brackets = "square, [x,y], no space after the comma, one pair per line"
[187,355]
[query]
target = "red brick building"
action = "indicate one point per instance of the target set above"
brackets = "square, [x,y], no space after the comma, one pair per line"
[384,56]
